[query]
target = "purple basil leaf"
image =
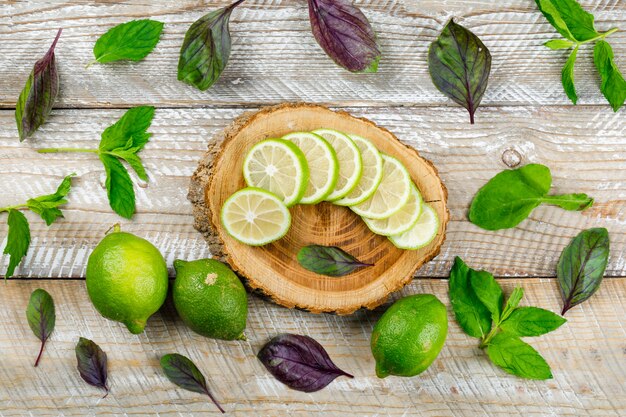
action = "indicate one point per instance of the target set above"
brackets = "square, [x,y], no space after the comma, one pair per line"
[92,364]
[328,260]
[36,99]
[181,371]
[299,362]
[459,65]
[345,34]
[41,317]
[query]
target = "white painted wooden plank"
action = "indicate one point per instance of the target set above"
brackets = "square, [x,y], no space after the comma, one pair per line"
[275,57]
[587,356]
[584,147]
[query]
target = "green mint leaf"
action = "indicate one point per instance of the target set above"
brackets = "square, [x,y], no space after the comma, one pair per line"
[328,260]
[41,317]
[37,98]
[569,19]
[92,364]
[459,65]
[556,44]
[119,186]
[133,160]
[46,205]
[517,357]
[206,49]
[581,266]
[131,41]
[132,125]
[512,303]
[509,197]
[181,371]
[470,312]
[531,321]
[488,292]
[567,76]
[18,240]
[613,84]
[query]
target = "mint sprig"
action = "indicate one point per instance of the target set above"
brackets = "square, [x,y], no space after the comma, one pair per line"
[121,141]
[577,27]
[46,206]
[480,310]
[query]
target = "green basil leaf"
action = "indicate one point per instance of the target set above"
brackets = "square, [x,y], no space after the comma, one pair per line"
[184,373]
[556,44]
[569,19]
[328,260]
[119,186]
[18,240]
[517,357]
[37,98]
[41,317]
[509,197]
[131,41]
[581,266]
[488,292]
[567,76]
[613,84]
[131,126]
[531,321]
[470,312]
[92,364]
[512,302]
[459,65]
[133,160]
[46,205]
[206,49]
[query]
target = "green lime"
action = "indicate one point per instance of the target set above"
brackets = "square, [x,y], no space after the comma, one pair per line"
[210,299]
[126,279]
[409,336]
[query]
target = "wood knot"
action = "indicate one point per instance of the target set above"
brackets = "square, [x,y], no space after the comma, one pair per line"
[511,158]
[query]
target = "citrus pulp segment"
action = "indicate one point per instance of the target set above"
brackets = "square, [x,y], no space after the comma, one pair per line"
[422,232]
[277,166]
[350,164]
[392,193]
[322,162]
[402,220]
[371,175]
[255,217]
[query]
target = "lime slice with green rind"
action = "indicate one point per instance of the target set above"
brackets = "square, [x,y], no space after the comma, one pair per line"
[422,233]
[402,220]
[371,175]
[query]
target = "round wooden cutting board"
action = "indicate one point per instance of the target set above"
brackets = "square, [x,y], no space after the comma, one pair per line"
[273,268]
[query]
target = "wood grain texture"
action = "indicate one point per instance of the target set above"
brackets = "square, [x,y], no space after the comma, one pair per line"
[585,149]
[275,57]
[587,356]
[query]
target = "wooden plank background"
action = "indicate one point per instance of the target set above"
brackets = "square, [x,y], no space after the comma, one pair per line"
[526,117]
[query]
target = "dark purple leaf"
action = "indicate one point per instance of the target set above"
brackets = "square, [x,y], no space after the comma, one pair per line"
[92,364]
[41,317]
[299,362]
[345,34]
[184,373]
[328,260]
[459,65]
[581,266]
[36,99]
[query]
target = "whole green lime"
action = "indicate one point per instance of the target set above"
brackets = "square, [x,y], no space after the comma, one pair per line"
[126,279]
[210,299]
[409,336]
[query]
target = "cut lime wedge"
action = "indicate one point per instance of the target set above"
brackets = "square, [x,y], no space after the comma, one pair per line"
[322,162]
[371,175]
[277,166]
[350,164]
[392,193]
[421,234]
[401,221]
[255,217]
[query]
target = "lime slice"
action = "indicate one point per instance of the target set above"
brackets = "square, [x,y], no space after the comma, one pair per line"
[370,177]
[255,217]
[277,166]
[392,193]
[421,234]
[350,164]
[400,222]
[322,162]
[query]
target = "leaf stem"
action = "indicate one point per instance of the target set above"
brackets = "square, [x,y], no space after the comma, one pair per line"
[16,207]
[600,36]
[43,342]
[57,150]
[206,390]
[91,63]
